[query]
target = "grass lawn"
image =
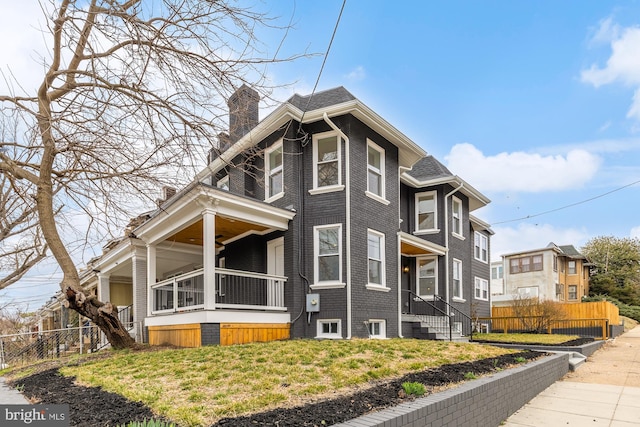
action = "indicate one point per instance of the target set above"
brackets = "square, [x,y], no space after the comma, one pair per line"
[525,338]
[201,385]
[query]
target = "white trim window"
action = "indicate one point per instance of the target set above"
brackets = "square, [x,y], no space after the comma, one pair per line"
[328,254]
[456,217]
[480,247]
[327,163]
[223,183]
[375,172]
[329,328]
[375,258]
[273,171]
[427,275]
[377,328]
[457,279]
[481,287]
[426,211]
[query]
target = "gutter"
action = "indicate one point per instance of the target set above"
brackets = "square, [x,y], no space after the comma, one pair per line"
[347,226]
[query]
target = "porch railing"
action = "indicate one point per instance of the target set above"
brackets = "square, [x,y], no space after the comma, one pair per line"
[233,289]
[445,316]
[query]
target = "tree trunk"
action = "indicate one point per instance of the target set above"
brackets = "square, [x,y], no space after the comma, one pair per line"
[104,315]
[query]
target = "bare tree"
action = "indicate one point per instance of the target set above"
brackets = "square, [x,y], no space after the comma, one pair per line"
[537,315]
[132,98]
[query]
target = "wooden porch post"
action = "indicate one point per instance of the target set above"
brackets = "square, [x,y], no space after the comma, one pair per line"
[209,258]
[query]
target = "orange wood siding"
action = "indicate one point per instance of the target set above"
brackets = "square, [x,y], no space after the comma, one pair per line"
[583,310]
[243,333]
[188,335]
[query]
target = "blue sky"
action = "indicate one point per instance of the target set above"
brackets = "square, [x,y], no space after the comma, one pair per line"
[536,104]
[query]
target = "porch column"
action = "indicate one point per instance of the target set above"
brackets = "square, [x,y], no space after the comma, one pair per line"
[104,292]
[209,258]
[139,273]
[151,275]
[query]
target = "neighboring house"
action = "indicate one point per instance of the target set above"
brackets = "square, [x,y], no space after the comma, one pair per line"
[557,273]
[322,220]
[497,278]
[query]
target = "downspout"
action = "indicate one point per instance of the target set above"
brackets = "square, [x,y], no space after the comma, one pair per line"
[347,227]
[446,239]
[401,170]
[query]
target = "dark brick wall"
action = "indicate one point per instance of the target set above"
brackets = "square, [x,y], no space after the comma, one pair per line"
[210,333]
[480,269]
[484,402]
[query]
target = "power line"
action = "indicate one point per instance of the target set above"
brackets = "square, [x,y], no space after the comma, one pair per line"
[567,206]
[324,61]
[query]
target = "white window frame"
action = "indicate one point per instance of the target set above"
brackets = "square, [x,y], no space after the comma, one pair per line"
[481,289]
[382,328]
[380,172]
[326,284]
[435,277]
[569,298]
[382,286]
[269,172]
[435,229]
[329,335]
[456,217]
[457,280]
[223,183]
[575,267]
[327,188]
[478,240]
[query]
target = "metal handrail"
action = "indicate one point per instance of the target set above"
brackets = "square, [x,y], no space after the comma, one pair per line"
[458,312]
[436,308]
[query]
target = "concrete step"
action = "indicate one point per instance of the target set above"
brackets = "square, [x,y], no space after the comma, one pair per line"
[576,360]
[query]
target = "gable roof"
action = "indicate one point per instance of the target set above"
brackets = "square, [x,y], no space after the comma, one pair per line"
[332,102]
[428,171]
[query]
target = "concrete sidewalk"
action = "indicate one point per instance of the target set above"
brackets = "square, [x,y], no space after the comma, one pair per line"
[604,391]
[10,396]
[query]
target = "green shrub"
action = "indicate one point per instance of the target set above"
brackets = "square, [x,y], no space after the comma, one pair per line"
[413,389]
[470,376]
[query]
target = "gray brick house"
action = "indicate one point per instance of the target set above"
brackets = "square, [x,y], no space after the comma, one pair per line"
[320,221]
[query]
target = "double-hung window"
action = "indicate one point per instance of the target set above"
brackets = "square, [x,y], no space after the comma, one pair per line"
[273,171]
[456,216]
[427,277]
[328,254]
[457,279]
[481,245]
[481,289]
[326,163]
[375,172]
[571,267]
[573,292]
[376,258]
[426,211]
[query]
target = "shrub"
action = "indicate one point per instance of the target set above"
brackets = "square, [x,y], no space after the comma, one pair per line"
[470,376]
[413,389]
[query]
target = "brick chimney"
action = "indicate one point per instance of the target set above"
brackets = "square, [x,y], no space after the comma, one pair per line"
[243,112]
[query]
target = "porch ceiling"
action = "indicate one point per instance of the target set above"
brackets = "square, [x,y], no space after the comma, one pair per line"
[411,245]
[226,229]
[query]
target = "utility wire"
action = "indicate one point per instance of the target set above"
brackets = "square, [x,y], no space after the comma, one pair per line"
[567,206]
[324,61]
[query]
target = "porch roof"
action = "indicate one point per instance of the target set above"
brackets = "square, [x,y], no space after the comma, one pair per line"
[180,219]
[411,245]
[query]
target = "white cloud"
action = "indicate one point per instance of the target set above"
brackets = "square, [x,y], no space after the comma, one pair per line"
[520,171]
[528,237]
[635,232]
[356,74]
[623,65]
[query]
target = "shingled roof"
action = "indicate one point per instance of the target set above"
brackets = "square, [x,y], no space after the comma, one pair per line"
[429,168]
[325,98]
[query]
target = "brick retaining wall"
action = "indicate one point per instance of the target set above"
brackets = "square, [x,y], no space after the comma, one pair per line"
[484,402]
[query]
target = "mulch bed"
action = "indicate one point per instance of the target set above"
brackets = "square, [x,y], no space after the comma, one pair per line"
[92,406]
[572,343]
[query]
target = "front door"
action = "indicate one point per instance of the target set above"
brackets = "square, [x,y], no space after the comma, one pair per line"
[275,267]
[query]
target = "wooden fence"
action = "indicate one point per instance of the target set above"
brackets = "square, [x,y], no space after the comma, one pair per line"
[583,310]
